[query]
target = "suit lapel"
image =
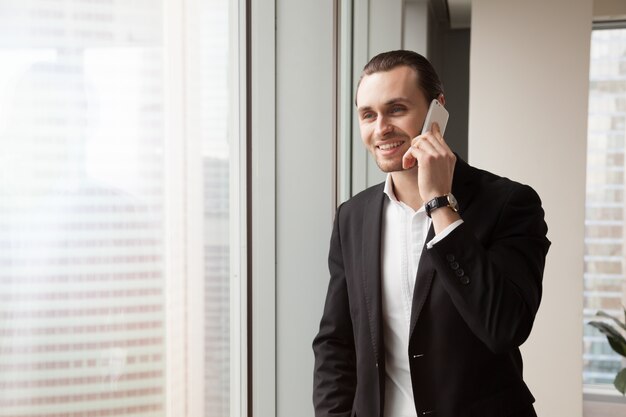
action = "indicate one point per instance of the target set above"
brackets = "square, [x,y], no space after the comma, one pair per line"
[423,280]
[371,243]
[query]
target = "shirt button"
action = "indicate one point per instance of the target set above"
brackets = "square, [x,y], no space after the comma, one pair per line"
[459,272]
[464,280]
[450,257]
[454,265]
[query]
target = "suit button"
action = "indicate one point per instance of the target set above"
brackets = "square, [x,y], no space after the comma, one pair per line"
[450,257]
[428,413]
[454,265]
[418,355]
[459,272]
[464,280]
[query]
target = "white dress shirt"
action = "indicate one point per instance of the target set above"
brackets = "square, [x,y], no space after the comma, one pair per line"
[403,234]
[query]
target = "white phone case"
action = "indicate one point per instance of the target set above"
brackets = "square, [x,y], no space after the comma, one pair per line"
[436,113]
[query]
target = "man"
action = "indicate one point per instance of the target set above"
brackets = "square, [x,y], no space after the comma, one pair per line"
[429,296]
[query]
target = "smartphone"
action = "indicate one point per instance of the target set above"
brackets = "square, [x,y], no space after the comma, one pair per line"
[436,114]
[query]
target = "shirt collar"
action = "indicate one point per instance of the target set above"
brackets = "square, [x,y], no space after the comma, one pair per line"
[388,190]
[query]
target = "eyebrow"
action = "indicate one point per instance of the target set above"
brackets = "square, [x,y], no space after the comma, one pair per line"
[390,102]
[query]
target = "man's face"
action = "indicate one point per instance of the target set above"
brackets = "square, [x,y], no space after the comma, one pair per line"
[391,110]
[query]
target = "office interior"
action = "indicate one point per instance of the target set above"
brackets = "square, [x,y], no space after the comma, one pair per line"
[178,305]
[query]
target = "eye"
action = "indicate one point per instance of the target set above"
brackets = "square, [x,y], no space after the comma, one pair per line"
[367,115]
[396,109]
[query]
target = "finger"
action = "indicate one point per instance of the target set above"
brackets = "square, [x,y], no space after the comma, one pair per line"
[409,159]
[439,143]
[428,145]
[437,132]
[428,139]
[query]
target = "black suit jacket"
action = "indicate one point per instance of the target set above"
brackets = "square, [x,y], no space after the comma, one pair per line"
[476,295]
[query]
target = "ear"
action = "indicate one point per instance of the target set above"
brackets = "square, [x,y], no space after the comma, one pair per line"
[441,99]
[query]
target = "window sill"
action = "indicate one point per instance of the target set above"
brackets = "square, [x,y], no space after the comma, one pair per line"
[601,402]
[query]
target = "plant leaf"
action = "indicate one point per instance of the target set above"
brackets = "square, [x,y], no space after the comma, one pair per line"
[620,381]
[616,340]
[606,329]
[608,316]
[617,345]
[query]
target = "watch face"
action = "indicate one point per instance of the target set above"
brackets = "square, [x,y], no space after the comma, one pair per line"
[453,203]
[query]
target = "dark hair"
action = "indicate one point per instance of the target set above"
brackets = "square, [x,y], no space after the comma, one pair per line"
[427,79]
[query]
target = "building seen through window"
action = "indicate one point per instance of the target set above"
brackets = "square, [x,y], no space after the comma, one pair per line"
[83,207]
[605,220]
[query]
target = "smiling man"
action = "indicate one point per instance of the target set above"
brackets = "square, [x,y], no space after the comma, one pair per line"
[435,274]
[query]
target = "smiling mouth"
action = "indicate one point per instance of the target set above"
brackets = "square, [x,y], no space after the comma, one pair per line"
[388,146]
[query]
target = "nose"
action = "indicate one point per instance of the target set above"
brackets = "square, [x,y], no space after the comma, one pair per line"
[383,127]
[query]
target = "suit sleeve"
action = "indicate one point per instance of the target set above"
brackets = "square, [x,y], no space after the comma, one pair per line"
[334,381]
[496,285]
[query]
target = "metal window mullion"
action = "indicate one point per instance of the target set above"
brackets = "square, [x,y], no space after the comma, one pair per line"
[262,96]
[238,224]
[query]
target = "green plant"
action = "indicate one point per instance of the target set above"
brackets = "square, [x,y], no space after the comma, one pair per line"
[616,341]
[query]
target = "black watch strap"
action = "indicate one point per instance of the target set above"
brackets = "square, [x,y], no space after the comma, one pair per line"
[447,200]
[436,203]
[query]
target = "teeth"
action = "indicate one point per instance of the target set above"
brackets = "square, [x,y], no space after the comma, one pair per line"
[388,146]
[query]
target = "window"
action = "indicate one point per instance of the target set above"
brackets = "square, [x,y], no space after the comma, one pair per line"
[605,221]
[116,230]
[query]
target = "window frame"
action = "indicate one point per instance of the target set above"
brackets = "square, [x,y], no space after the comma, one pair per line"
[185,393]
[598,401]
[261,143]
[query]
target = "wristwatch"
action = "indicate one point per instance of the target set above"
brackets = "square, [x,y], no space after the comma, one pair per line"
[447,200]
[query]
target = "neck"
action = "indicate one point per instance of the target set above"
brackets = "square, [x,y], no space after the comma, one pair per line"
[406,188]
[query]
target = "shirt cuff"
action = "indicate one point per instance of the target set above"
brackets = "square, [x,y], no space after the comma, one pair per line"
[445,232]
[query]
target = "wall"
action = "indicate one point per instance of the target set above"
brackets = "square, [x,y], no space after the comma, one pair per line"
[304,150]
[449,52]
[528,120]
[415,26]
[609,9]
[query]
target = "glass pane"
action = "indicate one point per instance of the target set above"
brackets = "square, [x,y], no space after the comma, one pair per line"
[81,209]
[605,250]
[212,37]
[82,205]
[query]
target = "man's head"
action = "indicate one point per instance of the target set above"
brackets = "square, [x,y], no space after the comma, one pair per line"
[428,80]
[392,100]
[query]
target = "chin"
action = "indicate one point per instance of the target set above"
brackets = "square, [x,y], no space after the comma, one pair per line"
[389,166]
